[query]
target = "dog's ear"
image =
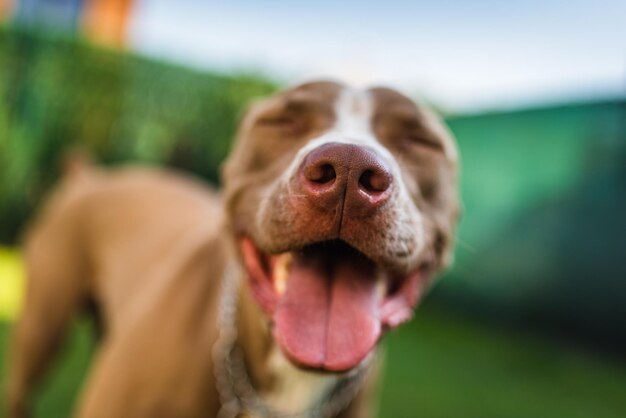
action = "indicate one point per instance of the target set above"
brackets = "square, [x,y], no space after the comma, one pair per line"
[442,224]
[446,207]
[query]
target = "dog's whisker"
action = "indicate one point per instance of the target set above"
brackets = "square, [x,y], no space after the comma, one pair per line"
[464,244]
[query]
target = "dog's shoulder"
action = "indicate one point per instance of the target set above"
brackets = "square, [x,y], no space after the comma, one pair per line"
[129,210]
[130,192]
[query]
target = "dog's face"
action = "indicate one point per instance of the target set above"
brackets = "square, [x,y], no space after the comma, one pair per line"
[344,205]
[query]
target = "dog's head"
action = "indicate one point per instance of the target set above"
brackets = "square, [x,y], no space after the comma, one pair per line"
[344,205]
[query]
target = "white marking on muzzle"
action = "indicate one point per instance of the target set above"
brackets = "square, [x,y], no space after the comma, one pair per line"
[353,125]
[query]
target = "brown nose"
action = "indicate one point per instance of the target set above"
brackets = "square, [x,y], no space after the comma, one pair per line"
[354,174]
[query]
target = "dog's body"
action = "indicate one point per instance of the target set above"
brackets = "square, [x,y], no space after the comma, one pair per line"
[316,191]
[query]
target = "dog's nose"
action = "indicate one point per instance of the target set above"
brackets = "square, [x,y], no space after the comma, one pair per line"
[356,174]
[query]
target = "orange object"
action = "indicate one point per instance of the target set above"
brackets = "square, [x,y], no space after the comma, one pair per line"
[106,21]
[6,7]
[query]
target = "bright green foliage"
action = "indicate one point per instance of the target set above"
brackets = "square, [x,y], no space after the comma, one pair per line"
[58,93]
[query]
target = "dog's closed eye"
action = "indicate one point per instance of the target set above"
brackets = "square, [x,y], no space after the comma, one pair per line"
[423,141]
[277,121]
[414,134]
[291,125]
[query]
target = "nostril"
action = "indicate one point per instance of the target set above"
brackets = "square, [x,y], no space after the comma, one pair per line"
[320,173]
[374,181]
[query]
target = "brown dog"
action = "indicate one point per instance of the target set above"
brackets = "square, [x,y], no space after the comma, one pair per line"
[339,208]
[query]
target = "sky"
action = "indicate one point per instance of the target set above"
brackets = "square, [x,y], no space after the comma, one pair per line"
[459,55]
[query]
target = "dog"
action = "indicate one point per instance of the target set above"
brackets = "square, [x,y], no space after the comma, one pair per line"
[267,299]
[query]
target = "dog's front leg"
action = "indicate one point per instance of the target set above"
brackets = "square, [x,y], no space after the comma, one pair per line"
[54,293]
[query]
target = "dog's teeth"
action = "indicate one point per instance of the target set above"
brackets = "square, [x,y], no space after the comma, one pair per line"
[281,272]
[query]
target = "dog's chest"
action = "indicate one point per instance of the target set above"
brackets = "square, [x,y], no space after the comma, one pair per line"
[295,390]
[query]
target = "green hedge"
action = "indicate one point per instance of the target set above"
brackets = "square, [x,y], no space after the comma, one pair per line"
[57,93]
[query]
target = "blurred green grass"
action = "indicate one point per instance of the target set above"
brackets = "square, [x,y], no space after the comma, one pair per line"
[440,365]
[55,397]
[444,365]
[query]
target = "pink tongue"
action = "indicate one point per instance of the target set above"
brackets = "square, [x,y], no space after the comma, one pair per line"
[328,321]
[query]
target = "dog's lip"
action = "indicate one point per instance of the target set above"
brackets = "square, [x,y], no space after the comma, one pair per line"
[390,302]
[270,262]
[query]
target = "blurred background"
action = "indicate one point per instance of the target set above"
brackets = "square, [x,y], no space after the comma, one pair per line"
[530,322]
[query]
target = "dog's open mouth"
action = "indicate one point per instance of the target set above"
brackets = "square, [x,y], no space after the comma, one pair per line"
[328,302]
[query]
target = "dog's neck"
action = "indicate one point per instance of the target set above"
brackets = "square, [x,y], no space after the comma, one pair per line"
[282,385]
